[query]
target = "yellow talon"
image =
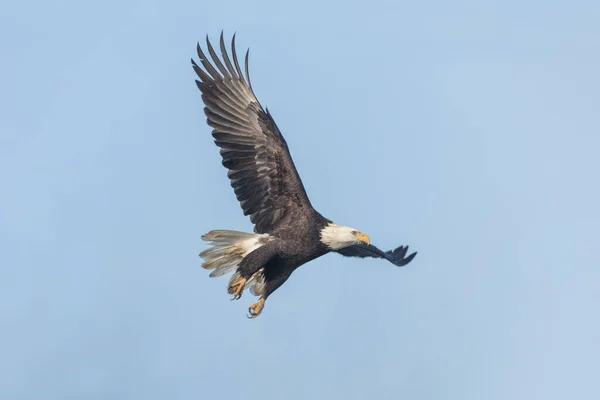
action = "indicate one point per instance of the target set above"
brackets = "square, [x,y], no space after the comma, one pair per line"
[256,309]
[237,288]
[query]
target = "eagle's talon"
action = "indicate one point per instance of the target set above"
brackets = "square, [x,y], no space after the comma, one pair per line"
[237,289]
[256,309]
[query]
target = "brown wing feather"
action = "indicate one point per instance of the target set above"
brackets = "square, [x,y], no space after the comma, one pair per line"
[253,149]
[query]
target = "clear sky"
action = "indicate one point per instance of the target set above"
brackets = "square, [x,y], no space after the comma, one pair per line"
[468,130]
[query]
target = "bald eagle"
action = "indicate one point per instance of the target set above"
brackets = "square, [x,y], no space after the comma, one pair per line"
[288,231]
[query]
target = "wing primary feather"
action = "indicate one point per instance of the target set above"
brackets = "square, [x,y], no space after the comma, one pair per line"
[223,91]
[230,91]
[223,96]
[201,74]
[236,89]
[207,65]
[216,59]
[248,73]
[233,88]
[235,61]
[226,57]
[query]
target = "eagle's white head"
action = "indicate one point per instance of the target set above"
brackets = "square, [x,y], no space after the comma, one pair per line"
[337,237]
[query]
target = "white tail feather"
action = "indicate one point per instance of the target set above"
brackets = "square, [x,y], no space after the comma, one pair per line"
[228,249]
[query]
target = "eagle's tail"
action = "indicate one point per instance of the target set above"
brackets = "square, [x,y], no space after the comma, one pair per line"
[228,249]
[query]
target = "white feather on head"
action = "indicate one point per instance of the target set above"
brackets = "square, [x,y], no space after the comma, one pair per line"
[337,237]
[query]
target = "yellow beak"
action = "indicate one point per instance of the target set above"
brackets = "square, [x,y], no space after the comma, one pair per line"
[364,238]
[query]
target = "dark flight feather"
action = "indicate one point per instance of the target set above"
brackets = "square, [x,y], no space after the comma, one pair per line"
[362,250]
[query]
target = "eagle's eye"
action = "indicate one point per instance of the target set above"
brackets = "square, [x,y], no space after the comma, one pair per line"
[354,233]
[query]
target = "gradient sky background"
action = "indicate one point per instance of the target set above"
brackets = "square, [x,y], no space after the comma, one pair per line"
[468,131]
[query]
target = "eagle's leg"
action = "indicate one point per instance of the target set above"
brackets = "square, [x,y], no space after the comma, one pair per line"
[249,266]
[237,288]
[256,308]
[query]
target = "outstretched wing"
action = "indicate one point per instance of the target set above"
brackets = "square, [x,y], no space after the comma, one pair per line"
[362,250]
[261,169]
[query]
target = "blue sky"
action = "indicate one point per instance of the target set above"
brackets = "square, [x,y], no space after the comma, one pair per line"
[467,130]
